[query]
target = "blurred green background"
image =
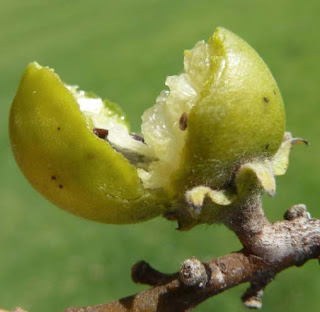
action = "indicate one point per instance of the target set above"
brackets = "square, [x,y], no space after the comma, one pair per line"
[123,50]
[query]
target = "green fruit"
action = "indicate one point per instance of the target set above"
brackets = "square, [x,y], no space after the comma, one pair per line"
[232,111]
[240,107]
[57,150]
[223,111]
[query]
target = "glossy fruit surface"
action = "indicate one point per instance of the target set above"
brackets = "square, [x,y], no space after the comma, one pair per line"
[239,115]
[57,150]
[225,109]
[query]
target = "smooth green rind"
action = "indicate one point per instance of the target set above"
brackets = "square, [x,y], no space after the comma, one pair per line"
[57,151]
[239,117]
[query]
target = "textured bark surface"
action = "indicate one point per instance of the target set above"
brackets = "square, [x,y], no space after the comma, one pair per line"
[268,250]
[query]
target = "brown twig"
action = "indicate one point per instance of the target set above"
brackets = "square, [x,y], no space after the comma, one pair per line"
[268,250]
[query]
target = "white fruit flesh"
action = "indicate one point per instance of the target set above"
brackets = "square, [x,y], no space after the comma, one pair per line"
[101,117]
[160,123]
[164,139]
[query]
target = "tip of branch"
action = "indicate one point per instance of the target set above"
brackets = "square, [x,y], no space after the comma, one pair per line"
[252,303]
[296,212]
[143,273]
[139,270]
[252,298]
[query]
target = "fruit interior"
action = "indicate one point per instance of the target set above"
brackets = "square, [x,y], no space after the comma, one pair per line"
[156,154]
[104,115]
[165,125]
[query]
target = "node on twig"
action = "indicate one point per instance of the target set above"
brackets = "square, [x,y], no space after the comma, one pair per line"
[193,273]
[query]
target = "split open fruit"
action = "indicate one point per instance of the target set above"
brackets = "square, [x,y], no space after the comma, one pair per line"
[224,111]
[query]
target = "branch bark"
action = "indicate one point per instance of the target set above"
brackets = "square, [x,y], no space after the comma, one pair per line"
[268,250]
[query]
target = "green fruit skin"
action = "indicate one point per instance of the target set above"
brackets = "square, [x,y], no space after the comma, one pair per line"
[240,116]
[57,151]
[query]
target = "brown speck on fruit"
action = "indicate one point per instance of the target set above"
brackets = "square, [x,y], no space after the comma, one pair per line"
[183,122]
[267,146]
[58,128]
[266,99]
[90,156]
[101,133]
[53,177]
[274,92]
[60,186]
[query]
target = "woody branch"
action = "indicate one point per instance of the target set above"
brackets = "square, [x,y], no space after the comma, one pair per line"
[268,250]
